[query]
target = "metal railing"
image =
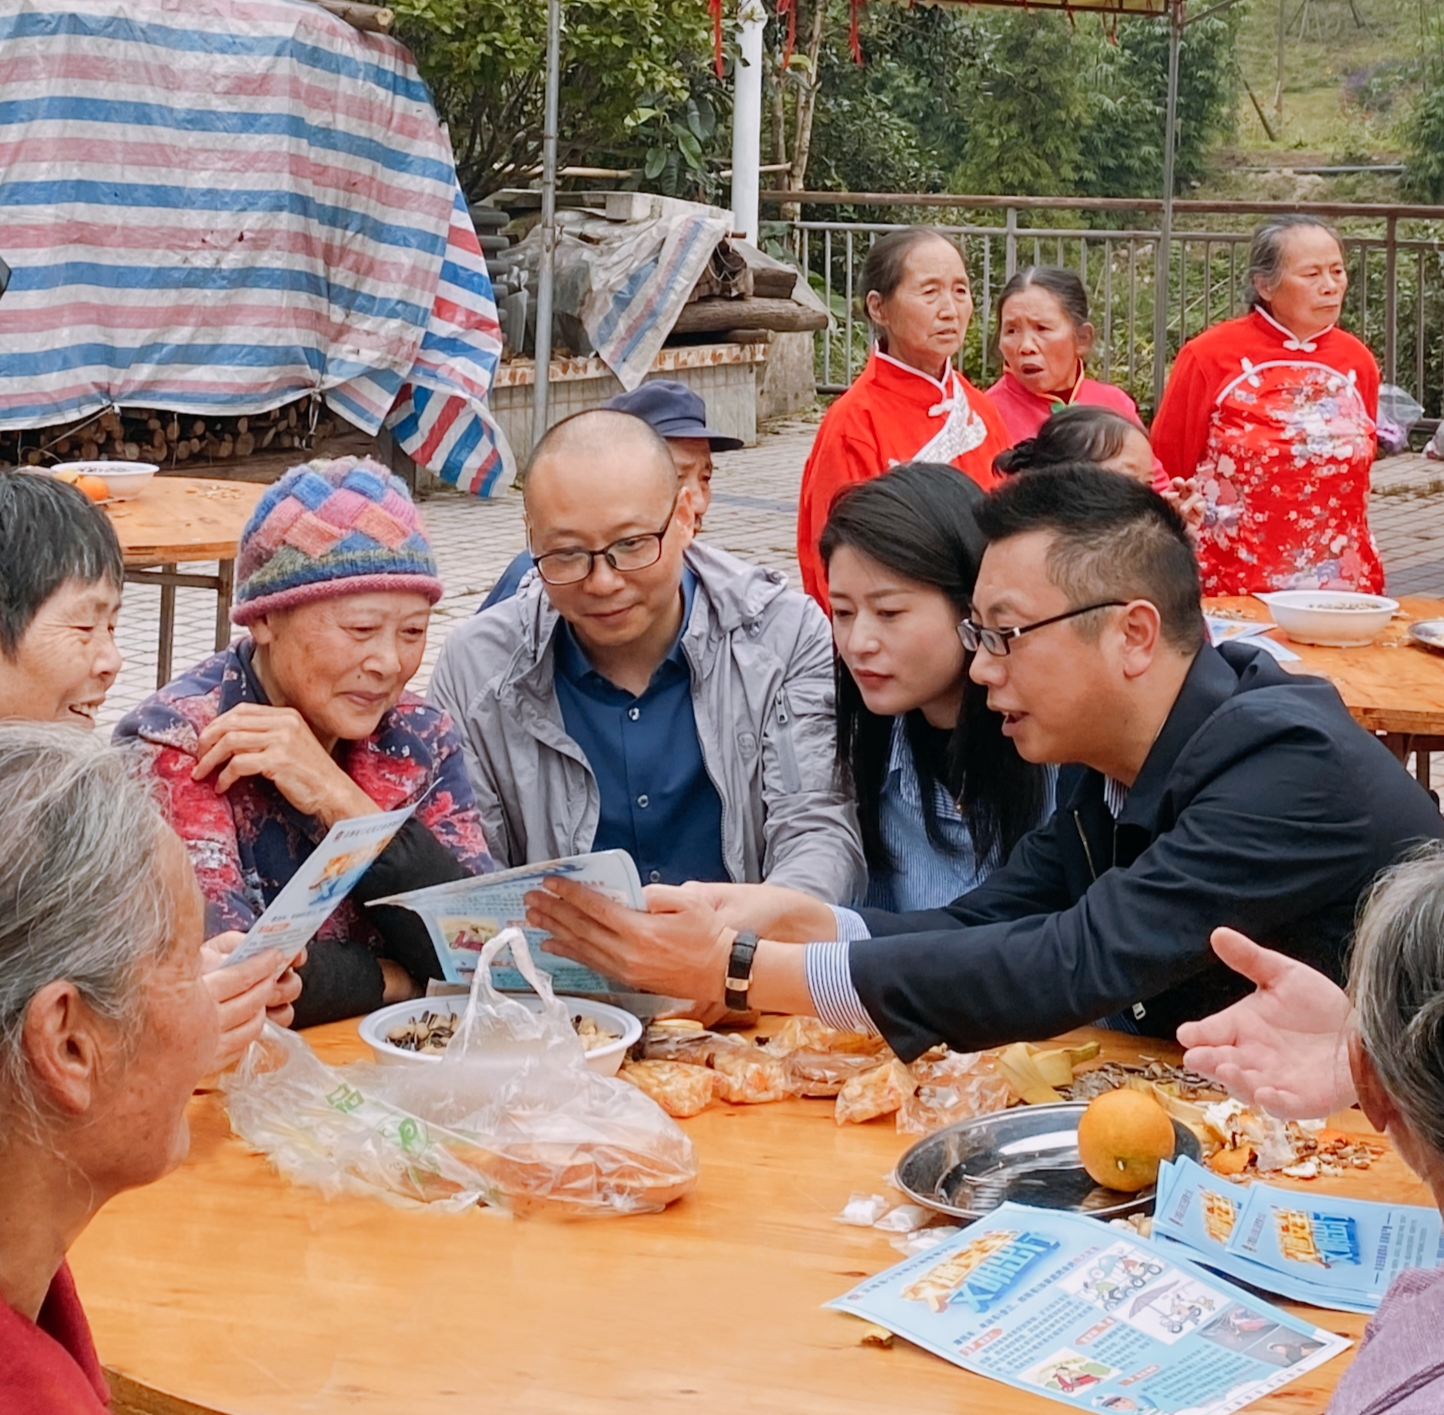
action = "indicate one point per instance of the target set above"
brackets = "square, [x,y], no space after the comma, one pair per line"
[1395,255]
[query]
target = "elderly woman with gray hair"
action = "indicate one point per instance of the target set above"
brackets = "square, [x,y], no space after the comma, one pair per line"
[1301,1047]
[1273,414]
[106,1025]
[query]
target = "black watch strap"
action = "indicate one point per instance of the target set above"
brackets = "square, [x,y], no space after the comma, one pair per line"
[739,970]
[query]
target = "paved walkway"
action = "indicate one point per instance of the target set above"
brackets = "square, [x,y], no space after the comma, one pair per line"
[754,514]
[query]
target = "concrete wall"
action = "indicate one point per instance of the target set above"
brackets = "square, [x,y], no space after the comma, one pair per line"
[725,376]
[786,381]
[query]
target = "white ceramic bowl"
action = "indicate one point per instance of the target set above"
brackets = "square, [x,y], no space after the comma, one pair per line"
[125,479]
[606,1060]
[1338,619]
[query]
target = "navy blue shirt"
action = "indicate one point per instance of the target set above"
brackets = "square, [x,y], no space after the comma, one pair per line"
[657,801]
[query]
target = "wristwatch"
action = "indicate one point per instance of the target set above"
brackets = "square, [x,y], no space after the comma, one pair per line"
[739,970]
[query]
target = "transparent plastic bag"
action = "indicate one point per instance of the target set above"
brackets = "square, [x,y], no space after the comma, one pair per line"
[511,1115]
[956,1086]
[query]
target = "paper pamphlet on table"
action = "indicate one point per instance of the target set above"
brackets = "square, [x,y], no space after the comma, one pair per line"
[326,877]
[1091,1316]
[463,915]
[1197,1213]
[1222,630]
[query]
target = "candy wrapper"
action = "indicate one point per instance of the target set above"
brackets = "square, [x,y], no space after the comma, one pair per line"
[863,1210]
[956,1086]
[880,1091]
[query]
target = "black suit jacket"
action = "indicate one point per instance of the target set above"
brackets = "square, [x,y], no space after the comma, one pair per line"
[1262,805]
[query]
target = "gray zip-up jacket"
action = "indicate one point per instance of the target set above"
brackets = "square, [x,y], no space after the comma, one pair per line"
[762,694]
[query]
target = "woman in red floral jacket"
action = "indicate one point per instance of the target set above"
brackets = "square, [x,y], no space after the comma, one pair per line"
[1273,414]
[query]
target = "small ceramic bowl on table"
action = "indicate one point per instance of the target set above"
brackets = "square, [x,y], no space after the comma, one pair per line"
[123,480]
[605,1059]
[1340,619]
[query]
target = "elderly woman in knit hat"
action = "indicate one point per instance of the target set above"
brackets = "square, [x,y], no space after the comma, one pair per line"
[305,721]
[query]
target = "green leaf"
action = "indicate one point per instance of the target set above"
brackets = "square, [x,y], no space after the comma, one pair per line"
[656,160]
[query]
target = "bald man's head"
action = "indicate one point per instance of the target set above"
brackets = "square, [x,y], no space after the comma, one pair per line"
[577,445]
[600,480]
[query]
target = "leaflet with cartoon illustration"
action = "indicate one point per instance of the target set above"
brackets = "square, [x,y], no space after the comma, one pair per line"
[1091,1316]
[1198,1212]
[328,875]
[463,915]
[1349,1247]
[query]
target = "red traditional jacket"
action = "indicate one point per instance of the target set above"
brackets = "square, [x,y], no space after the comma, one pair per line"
[1279,432]
[891,414]
[49,1366]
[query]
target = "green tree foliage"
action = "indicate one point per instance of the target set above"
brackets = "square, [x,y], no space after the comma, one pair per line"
[973,100]
[628,70]
[1424,136]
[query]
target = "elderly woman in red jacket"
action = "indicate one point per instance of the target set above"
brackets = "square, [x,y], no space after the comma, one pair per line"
[909,404]
[1274,415]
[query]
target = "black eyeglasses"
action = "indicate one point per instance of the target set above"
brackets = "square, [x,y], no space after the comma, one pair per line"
[571,567]
[998,641]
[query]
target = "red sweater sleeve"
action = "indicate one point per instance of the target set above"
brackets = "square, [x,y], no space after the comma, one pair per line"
[1180,427]
[838,459]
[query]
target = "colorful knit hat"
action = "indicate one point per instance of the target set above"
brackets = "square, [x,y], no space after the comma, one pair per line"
[332,528]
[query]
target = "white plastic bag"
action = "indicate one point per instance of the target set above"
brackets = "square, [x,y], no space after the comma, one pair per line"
[511,1115]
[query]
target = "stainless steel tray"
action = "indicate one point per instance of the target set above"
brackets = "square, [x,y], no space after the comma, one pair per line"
[1028,1155]
[1429,632]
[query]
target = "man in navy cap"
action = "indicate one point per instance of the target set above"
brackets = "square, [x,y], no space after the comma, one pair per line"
[674,412]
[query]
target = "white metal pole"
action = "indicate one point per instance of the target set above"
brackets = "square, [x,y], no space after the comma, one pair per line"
[747,118]
[548,224]
[1165,223]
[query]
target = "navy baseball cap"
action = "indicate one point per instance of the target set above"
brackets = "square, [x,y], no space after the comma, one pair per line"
[672,409]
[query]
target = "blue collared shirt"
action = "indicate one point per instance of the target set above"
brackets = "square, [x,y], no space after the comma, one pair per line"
[657,801]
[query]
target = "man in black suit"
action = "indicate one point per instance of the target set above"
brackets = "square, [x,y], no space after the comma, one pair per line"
[1213,788]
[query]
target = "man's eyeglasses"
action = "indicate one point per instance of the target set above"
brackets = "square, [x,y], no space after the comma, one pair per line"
[571,567]
[998,641]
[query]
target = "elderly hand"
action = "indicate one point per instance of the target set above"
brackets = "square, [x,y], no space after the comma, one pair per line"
[770,910]
[245,996]
[1284,1047]
[255,740]
[678,948]
[1186,497]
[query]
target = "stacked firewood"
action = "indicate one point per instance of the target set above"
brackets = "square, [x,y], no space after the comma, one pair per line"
[168,439]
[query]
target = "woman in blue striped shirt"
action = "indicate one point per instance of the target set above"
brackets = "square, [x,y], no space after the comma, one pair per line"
[942,795]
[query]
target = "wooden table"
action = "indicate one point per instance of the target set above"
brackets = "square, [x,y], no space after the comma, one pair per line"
[177,519]
[228,1287]
[1392,686]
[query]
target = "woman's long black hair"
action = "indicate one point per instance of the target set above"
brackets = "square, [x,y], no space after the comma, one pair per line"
[918,521]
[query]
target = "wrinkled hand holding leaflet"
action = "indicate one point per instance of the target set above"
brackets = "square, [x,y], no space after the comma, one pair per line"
[313,893]
[1090,1316]
[465,915]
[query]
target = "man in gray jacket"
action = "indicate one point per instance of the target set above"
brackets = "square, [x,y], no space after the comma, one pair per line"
[648,693]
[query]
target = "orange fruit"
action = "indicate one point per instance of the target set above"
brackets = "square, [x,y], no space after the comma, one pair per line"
[94,487]
[1123,1137]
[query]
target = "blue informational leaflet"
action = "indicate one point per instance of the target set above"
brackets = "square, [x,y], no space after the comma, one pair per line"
[462,916]
[1091,1316]
[1317,1248]
[325,878]
[1350,1247]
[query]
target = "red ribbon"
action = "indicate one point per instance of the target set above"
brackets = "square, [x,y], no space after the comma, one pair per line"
[715,6]
[854,14]
[789,8]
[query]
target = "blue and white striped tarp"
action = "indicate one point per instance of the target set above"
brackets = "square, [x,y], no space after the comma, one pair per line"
[217,206]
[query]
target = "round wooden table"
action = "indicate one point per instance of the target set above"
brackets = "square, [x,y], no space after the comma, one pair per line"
[226,1288]
[179,519]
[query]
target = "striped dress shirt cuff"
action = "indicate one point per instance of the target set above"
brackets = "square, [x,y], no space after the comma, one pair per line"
[829,977]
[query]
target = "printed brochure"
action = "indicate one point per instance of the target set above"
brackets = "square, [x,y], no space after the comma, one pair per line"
[462,916]
[1091,1316]
[312,894]
[1308,1247]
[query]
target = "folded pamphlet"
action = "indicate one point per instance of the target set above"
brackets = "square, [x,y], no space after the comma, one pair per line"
[462,916]
[313,893]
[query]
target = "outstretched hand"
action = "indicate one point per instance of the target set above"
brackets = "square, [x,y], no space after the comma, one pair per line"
[263,986]
[1284,1047]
